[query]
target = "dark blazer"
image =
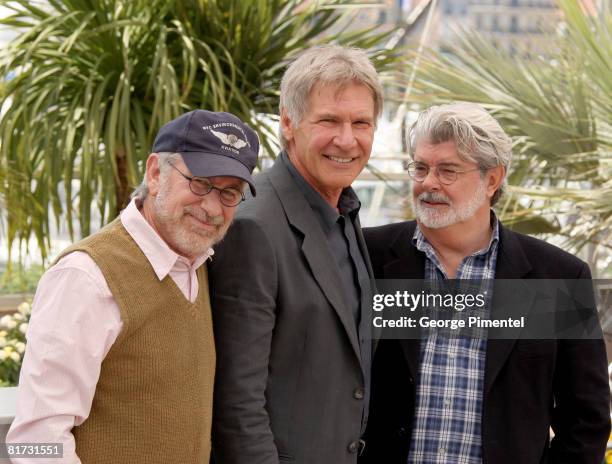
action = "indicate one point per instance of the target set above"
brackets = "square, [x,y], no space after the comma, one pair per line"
[529,385]
[289,385]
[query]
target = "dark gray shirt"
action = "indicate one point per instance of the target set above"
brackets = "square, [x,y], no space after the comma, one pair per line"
[339,228]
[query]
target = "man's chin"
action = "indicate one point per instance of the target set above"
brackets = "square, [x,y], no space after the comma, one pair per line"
[431,222]
[194,247]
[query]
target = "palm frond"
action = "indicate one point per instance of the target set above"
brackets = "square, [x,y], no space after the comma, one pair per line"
[94,81]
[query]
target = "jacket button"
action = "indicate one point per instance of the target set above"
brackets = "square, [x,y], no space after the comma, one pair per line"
[353,447]
[401,432]
[410,380]
[359,393]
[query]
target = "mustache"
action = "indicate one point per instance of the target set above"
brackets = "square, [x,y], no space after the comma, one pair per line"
[435,197]
[205,217]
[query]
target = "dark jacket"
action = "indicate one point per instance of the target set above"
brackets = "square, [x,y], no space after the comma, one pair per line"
[290,378]
[529,385]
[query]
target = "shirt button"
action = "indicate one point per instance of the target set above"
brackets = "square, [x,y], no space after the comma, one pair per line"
[447,402]
[353,447]
[359,393]
[442,451]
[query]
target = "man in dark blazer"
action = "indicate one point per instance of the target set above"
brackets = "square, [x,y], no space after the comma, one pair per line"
[477,401]
[290,283]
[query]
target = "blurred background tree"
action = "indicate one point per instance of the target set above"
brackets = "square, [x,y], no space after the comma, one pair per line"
[558,110]
[91,82]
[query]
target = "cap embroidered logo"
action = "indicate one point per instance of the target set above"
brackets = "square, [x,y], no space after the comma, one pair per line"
[229,139]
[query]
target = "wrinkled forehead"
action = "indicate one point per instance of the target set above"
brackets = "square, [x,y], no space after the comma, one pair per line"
[337,88]
[434,153]
[453,150]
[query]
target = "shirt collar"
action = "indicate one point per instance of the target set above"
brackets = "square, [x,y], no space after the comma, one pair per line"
[348,203]
[422,244]
[162,258]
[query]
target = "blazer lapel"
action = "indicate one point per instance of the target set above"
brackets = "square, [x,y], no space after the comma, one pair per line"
[375,332]
[363,248]
[409,264]
[512,263]
[314,246]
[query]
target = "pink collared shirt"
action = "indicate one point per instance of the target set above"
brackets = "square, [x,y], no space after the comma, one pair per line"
[75,320]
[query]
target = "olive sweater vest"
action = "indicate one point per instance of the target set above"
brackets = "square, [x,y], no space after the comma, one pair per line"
[153,401]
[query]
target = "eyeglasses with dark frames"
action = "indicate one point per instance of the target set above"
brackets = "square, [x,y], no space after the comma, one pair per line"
[446,175]
[229,196]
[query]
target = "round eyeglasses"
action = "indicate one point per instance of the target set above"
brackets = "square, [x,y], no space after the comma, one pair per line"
[229,196]
[446,175]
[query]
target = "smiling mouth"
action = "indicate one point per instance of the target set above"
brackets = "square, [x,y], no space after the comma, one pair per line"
[201,223]
[340,160]
[434,203]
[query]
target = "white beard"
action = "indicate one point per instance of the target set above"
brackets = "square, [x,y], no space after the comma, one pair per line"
[436,219]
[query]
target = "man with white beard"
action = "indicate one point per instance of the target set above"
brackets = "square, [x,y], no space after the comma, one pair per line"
[120,360]
[441,398]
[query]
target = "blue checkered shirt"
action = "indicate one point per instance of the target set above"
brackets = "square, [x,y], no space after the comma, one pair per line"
[449,394]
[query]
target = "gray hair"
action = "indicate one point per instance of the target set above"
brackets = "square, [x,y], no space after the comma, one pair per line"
[165,158]
[477,135]
[326,64]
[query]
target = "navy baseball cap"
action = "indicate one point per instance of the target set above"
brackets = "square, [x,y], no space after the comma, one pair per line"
[211,144]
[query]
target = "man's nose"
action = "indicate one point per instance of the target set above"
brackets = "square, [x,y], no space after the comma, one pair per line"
[345,138]
[431,181]
[211,203]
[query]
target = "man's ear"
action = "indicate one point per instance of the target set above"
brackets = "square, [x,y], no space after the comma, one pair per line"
[287,126]
[495,178]
[153,173]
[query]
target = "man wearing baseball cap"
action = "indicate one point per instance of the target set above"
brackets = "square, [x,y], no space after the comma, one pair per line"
[120,360]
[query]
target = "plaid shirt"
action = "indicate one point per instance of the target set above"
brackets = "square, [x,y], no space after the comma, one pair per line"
[449,395]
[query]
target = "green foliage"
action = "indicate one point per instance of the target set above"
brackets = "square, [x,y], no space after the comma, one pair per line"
[19,279]
[94,81]
[557,108]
